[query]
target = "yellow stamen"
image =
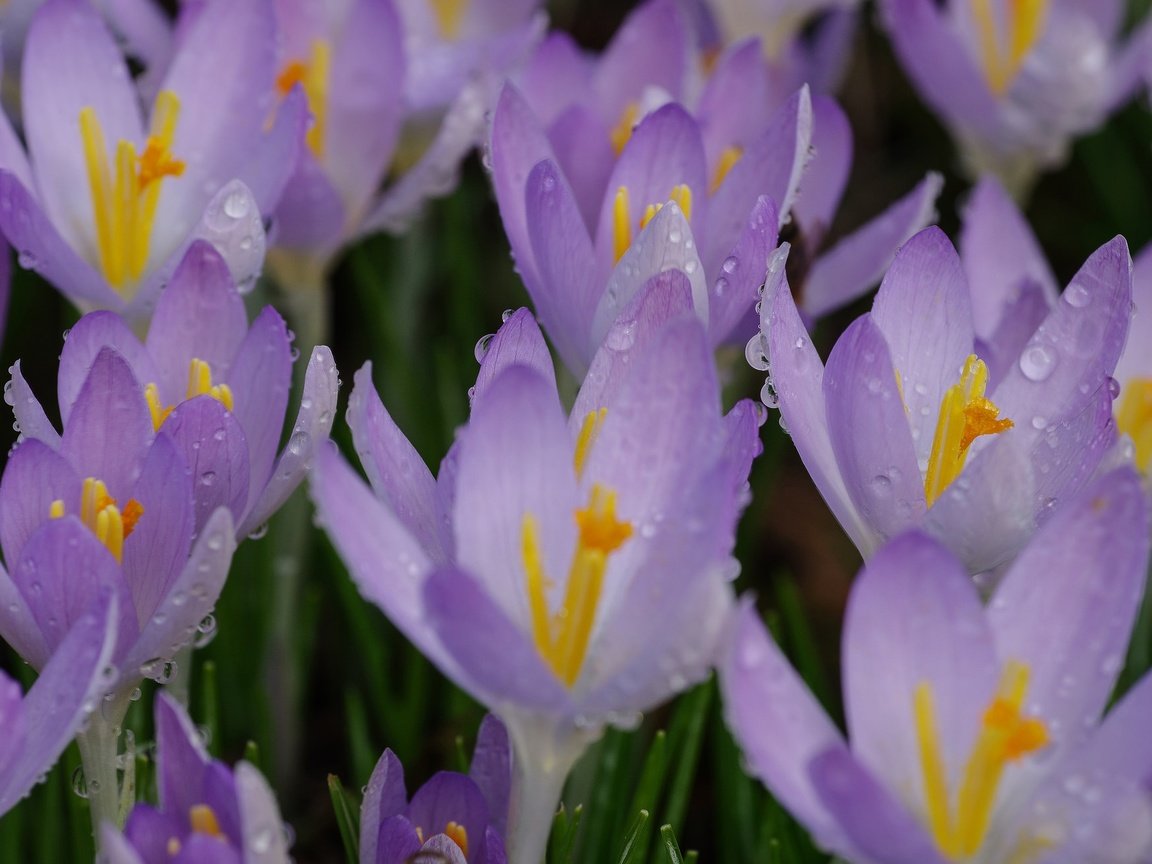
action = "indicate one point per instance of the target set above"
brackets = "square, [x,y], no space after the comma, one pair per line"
[1134,417]
[621,133]
[458,835]
[1006,735]
[728,158]
[562,639]
[589,429]
[1001,58]
[203,820]
[200,384]
[56,509]
[449,15]
[621,224]
[173,848]
[98,511]
[156,408]
[965,415]
[622,217]
[420,834]
[124,200]
[312,75]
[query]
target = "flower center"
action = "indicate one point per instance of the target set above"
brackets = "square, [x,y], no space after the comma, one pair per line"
[622,215]
[125,195]
[1134,418]
[99,512]
[449,16]
[1002,53]
[201,820]
[312,74]
[199,384]
[959,822]
[965,415]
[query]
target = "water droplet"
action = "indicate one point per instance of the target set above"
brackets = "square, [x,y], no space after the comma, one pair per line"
[207,478]
[1039,422]
[1037,362]
[259,532]
[506,314]
[482,346]
[1113,387]
[621,336]
[79,784]
[730,264]
[881,485]
[1077,295]
[768,394]
[236,205]
[756,354]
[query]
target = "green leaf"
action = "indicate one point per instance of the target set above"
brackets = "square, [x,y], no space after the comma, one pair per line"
[671,847]
[630,855]
[347,817]
[563,838]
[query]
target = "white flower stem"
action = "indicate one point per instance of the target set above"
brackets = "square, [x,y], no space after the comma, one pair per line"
[99,743]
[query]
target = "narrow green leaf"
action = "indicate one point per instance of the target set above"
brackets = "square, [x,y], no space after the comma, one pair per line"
[210,705]
[639,826]
[648,789]
[347,818]
[563,838]
[671,847]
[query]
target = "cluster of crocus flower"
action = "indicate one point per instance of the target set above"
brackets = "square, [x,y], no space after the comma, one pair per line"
[982,437]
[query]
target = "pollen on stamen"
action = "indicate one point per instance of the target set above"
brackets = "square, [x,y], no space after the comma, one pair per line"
[458,834]
[621,133]
[202,819]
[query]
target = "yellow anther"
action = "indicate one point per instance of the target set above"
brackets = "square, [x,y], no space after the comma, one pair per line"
[156,408]
[562,638]
[728,158]
[621,224]
[1002,55]
[200,384]
[959,823]
[965,415]
[173,848]
[98,511]
[420,834]
[1134,418]
[458,835]
[622,216]
[126,194]
[202,819]
[56,509]
[313,75]
[449,16]
[589,429]
[621,133]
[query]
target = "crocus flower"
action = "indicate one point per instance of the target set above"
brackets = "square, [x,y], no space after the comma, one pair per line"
[208,813]
[973,733]
[1015,82]
[1134,369]
[907,426]
[103,209]
[553,567]
[214,386]
[35,729]
[349,59]
[459,817]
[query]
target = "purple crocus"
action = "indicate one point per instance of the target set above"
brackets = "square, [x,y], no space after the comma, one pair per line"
[973,733]
[1015,82]
[349,59]
[35,729]
[214,386]
[459,817]
[554,565]
[104,209]
[818,59]
[208,813]
[907,424]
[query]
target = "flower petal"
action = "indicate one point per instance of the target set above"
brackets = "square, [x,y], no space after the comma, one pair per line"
[491,769]
[823,183]
[92,333]
[35,476]
[265,840]
[29,413]
[733,295]
[384,797]
[517,342]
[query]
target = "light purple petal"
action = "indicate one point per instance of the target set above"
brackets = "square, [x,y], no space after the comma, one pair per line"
[199,315]
[566,294]
[190,598]
[875,823]
[914,618]
[515,460]
[396,841]
[34,477]
[181,758]
[858,261]
[386,562]
[735,100]
[449,797]
[398,475]
[732,296]
[869,431]
[798,379]
[923,310]
[649,50]
[441,847]
[311,216]
[116,848]
[1020,317]
[29,413]
[92,333]
[517,342]
[491,769]
[1000,255]
[1080,578]
[583,148]
[312,427]
[384,797]
[69,687]
[260,378]
[555,76]
[823,183]
[498,662]
[18,626]
[778,723]
[232,222]
[1136,361]
[265,839]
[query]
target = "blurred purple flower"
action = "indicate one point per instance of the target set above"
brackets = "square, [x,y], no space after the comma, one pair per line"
[1015,82]
[974,733]
[208,814]
[460,817]
[103,209]
[635,497]
[35,729]
[107,504]
[908,426]
[216,387]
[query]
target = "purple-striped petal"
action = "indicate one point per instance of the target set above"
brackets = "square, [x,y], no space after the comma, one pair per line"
[823,183]
[517,342]
[181,760]
[92,333]
[583,147]
[732,296]
[649,50]
[384,797]
[491,769]
[449,797]
[34,477]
